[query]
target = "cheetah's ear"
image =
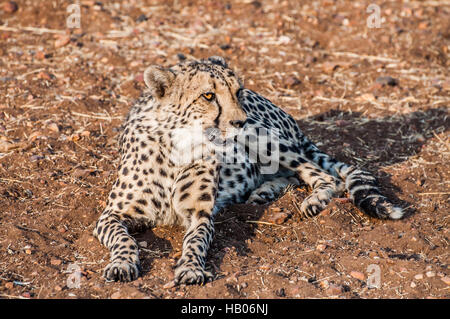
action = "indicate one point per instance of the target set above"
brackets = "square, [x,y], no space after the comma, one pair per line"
[218,60]
[158,80]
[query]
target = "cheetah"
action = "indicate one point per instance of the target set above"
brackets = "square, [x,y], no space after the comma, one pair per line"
[297,159]
[158,185]
[295,153]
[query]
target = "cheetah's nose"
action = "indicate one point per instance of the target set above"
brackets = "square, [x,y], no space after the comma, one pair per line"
[237,123]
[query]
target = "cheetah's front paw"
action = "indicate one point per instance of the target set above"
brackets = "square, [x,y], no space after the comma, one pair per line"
[121,271]
[189,274]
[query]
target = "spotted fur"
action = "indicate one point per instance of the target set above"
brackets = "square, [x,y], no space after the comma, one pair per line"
[157,182]
[168,174]
[327,176]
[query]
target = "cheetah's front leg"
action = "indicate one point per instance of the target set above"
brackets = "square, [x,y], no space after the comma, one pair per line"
[112,233]
[194,199]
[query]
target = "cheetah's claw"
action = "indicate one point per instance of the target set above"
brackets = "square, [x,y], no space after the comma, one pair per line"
[121,271]
[189,274]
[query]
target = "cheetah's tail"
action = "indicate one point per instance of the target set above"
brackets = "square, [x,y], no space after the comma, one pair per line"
[361,186]
[366,195]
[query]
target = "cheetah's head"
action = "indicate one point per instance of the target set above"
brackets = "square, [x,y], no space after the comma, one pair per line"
[204,92]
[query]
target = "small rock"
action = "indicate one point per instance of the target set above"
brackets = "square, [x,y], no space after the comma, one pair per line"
[293,290]
[33,136]
[55,262]
[310,59]
[279,218]
[58,288]
[40,55]
[143,244]
[423,25]
[169,285]
[329,67]
[43,75]
[342,123]
[430,274]
[141,18]
[53,127]
[387,80]
[418,276]
[34,158]
[357,275]
[276,209]
[10,7]
[324,284]
[333,290]
[9,285]
[28,251]
[26,295]
[446,280]
[365,97]
[139,77]
[292,81]
[74,137]
[321,247]
[413,284]
[62,41]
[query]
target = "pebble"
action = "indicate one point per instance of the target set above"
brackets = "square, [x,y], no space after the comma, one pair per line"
[10,7]
[169,285]
[55,262]
[40,55]
[9,285]
[293,290]
[321,247]
[365,97]
[418,276]
[387,80]
[329,67]
[143,244]
[446,280]
[43,75]
[334,290]
[62,41]
[139,77]
[430,274]
[53,127]
[292,81]
[357,275]
[413,284]
[33,136]
[278,218]
[26,295]
[324,284]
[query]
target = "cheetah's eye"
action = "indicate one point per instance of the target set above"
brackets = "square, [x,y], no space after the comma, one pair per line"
[209,96]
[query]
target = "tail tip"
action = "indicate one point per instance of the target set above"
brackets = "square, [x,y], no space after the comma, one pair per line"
[396,213]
